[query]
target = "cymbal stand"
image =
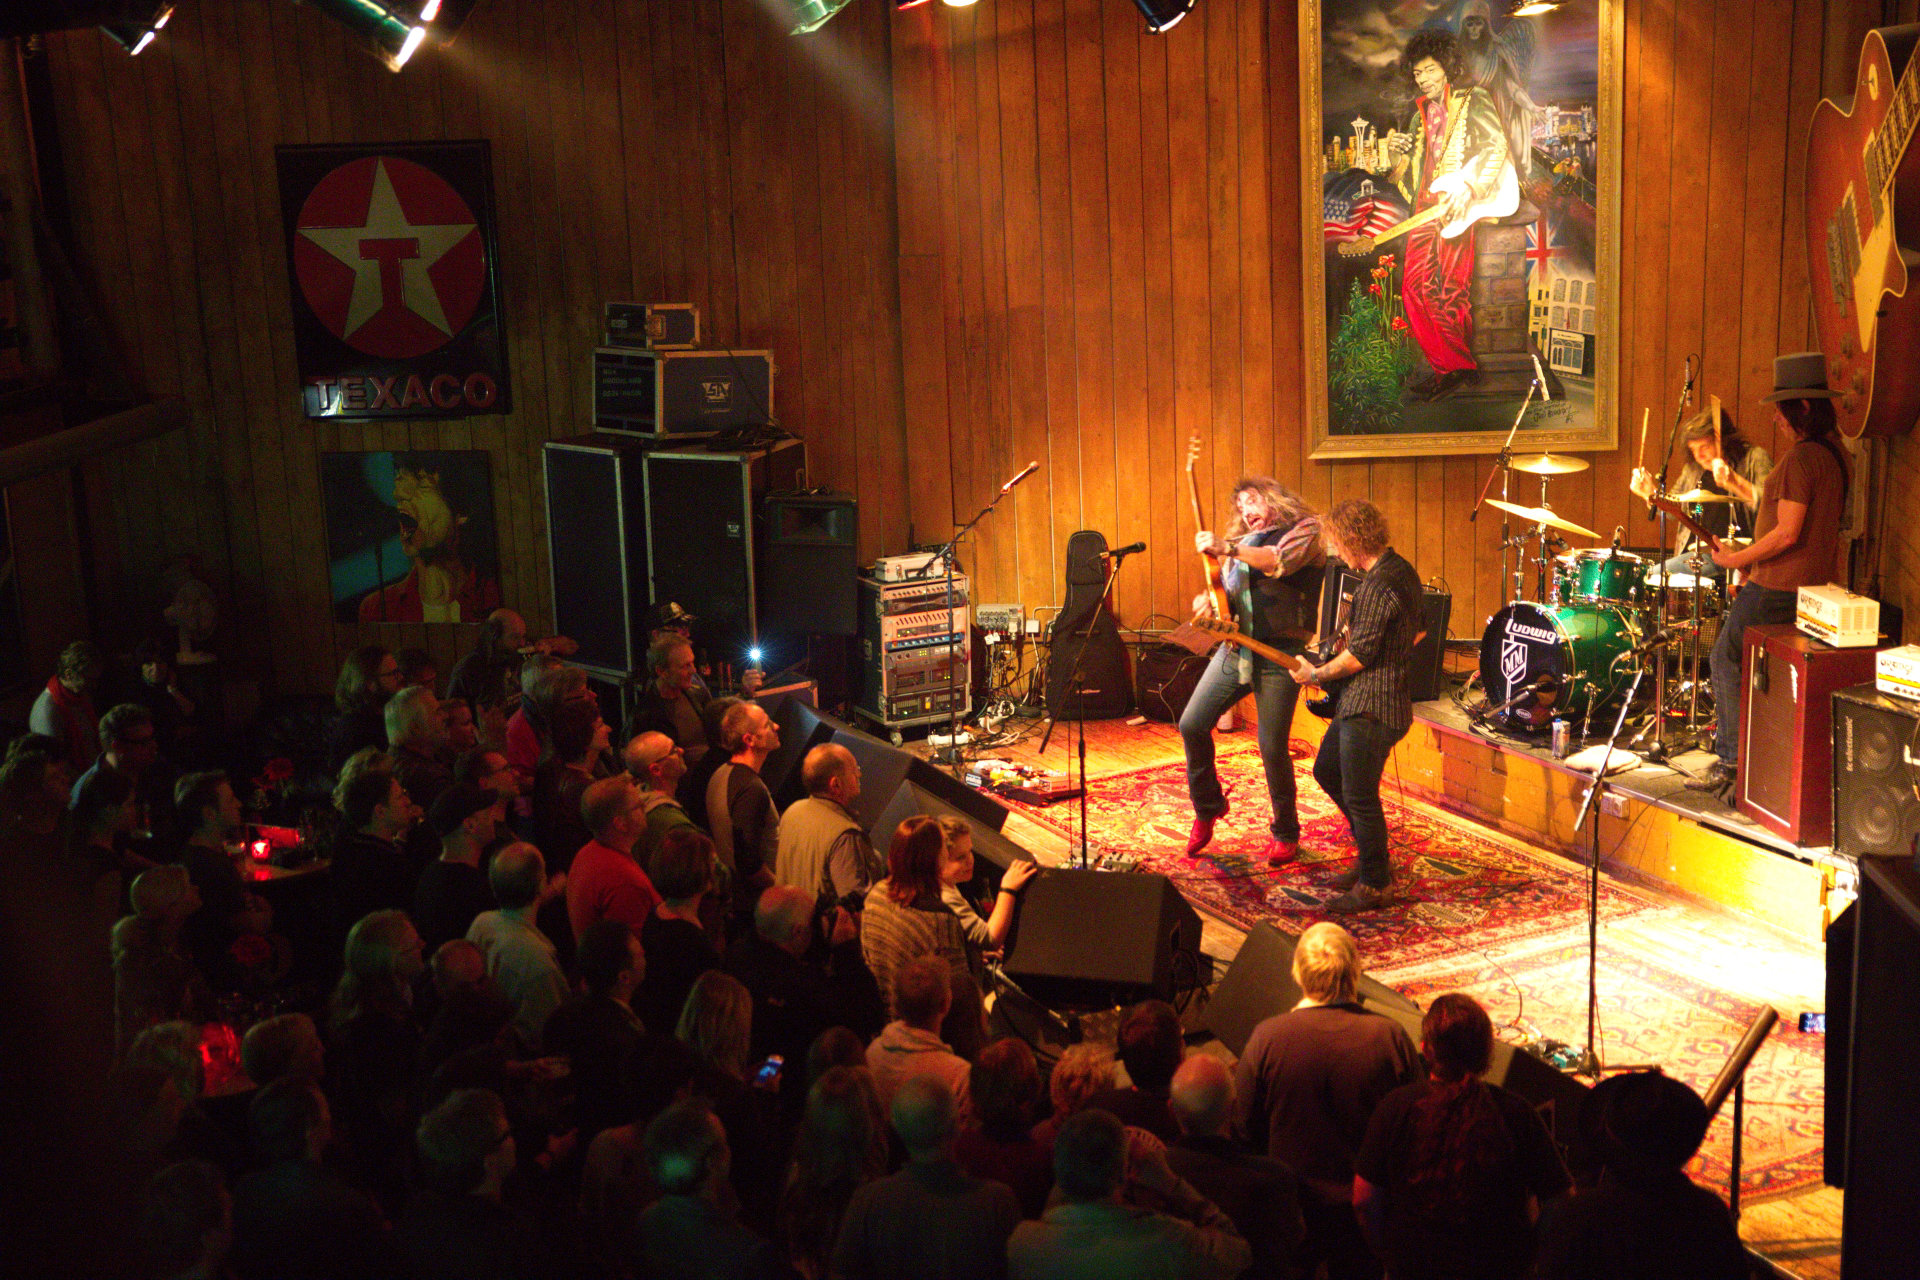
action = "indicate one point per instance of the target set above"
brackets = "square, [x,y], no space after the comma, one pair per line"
[1501,468]
[1652,738]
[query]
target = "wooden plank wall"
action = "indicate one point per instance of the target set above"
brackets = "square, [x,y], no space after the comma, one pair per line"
[1021,231]
[1122,272]
[681,149]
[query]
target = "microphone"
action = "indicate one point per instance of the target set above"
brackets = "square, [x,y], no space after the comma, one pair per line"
[1653,641]
[1031,468]
[1686,392]
[1126,551]
[1619,535]
[1540,377]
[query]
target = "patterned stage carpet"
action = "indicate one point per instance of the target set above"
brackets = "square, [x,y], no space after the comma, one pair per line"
[1478,912]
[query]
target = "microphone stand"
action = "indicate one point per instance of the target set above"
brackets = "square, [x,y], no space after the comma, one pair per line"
[964,642]
[1652,739]
[1077,678]
[1501,462]
[1590,1060]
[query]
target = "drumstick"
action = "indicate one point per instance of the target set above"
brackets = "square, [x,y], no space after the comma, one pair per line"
[1715,402]
[1645,414]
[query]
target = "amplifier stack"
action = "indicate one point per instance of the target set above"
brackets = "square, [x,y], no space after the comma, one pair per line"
[915,651]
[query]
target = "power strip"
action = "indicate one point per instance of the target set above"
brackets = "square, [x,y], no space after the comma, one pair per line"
[940,740]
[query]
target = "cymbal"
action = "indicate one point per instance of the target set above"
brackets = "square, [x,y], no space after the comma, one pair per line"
[1548,464]
[1540,515]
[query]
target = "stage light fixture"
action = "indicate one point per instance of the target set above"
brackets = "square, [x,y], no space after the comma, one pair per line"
[135,34]
[1534,8]
[811,15]
[959,4]
[1162,14]
[390,38]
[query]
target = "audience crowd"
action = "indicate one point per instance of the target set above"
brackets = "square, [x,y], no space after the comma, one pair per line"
[555,1001]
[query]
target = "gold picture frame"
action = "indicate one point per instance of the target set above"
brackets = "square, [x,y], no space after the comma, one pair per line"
[1392,369]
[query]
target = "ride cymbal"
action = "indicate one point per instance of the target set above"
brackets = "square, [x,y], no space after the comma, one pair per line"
[1540,515]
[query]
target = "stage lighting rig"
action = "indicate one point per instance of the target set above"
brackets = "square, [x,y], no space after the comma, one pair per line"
[1162,14]
[390,38]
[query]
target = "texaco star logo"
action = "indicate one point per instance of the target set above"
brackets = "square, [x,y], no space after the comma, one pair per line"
[389,257]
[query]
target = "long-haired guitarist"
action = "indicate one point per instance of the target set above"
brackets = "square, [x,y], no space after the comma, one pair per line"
[1455,157]
[1271,563]
[1796,539]
[1376,707]
[1719,460]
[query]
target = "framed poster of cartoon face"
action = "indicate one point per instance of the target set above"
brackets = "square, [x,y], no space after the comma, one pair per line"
[411,536]
[1460,225]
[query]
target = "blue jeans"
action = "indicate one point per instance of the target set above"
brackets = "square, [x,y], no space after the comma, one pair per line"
[1754,606]
[1352,757]
[1274,694]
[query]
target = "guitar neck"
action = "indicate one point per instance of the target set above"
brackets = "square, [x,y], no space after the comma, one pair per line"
[1890,140]
[1267,651]
[1431,213]
[1679,513]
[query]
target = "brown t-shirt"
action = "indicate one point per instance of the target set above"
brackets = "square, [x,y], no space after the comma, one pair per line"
[1809,474]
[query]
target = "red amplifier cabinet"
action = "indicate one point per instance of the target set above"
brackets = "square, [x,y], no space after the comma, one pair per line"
[1786,728]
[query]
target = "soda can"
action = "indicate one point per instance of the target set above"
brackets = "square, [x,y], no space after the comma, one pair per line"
[1562,739]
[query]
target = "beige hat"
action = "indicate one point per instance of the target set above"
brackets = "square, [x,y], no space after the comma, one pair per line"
[1800,376]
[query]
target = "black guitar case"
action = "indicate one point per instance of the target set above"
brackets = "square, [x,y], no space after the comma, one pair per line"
[1106,688]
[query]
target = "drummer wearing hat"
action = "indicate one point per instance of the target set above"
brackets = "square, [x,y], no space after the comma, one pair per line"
[1796,538]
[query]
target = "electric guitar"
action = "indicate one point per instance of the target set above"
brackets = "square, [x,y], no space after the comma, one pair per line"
[1857,155]
[1216,579]
[1504,199]
[1735,577]
[1200,635]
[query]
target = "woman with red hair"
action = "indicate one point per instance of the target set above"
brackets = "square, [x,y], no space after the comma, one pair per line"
[906,918]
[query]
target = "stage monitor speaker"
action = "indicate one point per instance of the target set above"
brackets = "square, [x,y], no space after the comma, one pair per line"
[1429,652]
[1875,810]
[597,548]
[993,852]
[802,728]
[809,581]
[701,505]
[883,768]
[1095,939]
[1259,983]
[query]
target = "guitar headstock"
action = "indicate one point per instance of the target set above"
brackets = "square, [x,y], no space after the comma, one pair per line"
[1193,452]
[1216,625]
[1355,248]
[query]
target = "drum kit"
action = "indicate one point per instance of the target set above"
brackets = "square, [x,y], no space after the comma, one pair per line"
[1599,617]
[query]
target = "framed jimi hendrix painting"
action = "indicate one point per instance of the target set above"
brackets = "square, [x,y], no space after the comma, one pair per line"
[1460,223]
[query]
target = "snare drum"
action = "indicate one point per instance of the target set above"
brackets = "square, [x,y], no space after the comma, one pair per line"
[1602,576]
[1680,588]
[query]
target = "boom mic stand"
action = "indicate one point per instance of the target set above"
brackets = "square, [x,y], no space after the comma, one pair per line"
[1653,737]
[1590,1059]
[963,644]
[1076,679]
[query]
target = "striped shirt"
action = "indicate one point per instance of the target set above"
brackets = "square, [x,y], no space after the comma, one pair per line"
[1384,621]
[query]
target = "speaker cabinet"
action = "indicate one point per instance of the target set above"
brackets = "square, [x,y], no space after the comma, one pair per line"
[1875,811]
[1786,738]
[802,728]
[1259,983]
[597,548]
[1429,651]
[1095,939]
[810,557]
[1883,1107]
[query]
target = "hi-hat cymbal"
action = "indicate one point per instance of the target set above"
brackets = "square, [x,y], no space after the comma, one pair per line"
[1701,495]
[1548,464]
[1540,515]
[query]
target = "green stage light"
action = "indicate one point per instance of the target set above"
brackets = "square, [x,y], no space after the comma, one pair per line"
[811,15]
[390,39]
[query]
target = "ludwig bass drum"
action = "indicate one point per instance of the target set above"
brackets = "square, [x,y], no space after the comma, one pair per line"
[1576,659]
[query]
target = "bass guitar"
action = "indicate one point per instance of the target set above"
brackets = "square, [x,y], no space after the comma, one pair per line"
[1858,159]
[1714,541]
[1216,589]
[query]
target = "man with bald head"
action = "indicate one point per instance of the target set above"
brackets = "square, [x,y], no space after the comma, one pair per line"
[740,813]
[930,1219]
[1259,1193]
[796,992]
[656,763]
[521,960]
[823,848]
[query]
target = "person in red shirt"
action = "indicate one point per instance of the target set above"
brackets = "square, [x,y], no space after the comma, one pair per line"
[605,883]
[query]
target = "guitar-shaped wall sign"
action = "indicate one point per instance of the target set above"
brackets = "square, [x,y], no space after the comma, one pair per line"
[1504,199]
[1868,319]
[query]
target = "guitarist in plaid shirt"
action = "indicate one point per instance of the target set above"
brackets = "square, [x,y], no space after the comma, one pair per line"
[1376,705]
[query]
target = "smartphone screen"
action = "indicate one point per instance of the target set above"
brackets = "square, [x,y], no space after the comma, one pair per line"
[1814,1022]
[769,1073]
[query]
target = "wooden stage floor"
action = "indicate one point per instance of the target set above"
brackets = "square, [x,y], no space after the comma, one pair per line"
[1799,1235]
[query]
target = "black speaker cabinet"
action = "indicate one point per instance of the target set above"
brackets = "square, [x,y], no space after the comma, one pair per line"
[1095,939]
[1875,811]
[884,769]
[1883,1107]
[1429,652]
[810,564]
[701,506]
[597,548]
[1164,677]
[1259,983]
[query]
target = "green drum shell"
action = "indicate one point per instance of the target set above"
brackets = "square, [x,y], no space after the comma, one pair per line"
[1605,577]
[1588,656]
